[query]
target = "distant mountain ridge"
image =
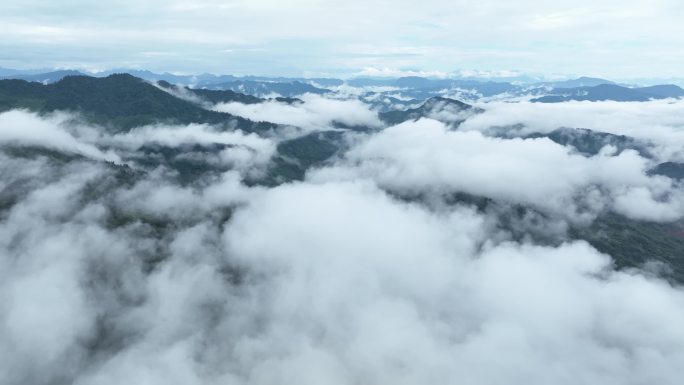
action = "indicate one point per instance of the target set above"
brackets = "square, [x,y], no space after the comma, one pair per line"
[409,87]
[583,88]
[257,88]
[46,78]
[611,92]
[583,81]
[196,80]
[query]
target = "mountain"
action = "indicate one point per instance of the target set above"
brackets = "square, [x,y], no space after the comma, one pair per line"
[222,96]
[316,82]
[190,162]
[48,77]
[632,242]
[518,79]
[382,102]
[14,72]
[121,101]
[487,88]
[263,88]
[446,110]
[583,88]
[296,156]
[118,102]
[421,82]
[371,82]
[590,143]
[583,81]
[609,92]
[410,87]
[671,170]
[206,79]
[211,96]
[165,76]
[664,91]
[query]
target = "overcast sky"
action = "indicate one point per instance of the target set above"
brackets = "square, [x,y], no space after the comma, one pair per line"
[611,38]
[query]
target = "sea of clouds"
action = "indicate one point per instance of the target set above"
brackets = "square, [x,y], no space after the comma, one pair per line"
[363,273]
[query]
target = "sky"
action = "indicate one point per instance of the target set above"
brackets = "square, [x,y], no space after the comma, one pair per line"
[620,39]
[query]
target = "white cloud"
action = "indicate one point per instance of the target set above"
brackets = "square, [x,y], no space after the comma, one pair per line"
[657,121]
[426,156]
[392,294]
[20,127]
[245,152]
[316,113]
[248,153]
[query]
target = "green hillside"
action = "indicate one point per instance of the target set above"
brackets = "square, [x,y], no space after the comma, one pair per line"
[119,102]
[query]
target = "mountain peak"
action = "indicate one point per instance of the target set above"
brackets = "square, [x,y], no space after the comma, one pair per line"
[442,102]
[449,111]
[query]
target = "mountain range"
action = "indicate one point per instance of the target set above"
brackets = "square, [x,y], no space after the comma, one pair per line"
[119,103]
[409,87]
[611,92]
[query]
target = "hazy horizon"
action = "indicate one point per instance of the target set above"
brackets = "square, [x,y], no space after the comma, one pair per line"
[370,73]
[616,39]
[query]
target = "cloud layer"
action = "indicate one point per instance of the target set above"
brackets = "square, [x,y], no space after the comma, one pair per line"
[365,272]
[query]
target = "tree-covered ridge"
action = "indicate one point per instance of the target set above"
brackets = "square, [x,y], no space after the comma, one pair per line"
[446,110]
[119,102]
[223,96]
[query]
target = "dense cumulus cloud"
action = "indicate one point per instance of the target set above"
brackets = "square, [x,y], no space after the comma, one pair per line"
[365,272]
